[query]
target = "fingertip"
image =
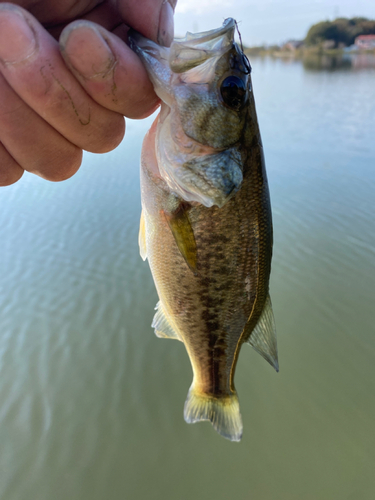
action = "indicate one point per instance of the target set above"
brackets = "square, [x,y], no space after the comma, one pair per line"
[69,168]
[157,25]
[85,50]
[109,136]
[143,110]
[61,167]
[166,25]
[10,170]
[9,176]
[18,41]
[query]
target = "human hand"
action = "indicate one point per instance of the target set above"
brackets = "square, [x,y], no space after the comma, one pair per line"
[50,110]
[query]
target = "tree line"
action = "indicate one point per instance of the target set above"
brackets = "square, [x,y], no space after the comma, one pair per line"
[341,30]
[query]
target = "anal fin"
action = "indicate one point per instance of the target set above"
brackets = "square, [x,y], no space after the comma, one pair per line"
[142,237]
[163,327]
[263,336]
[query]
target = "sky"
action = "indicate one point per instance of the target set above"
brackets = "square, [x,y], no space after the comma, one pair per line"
[266,21]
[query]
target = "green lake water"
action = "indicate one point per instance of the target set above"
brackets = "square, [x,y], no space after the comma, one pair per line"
[91,402]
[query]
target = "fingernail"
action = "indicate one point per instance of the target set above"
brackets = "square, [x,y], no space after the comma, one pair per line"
[17,39]
[86,50]
[166,24]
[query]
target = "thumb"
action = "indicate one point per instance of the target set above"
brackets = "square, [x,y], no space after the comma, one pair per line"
[152,18]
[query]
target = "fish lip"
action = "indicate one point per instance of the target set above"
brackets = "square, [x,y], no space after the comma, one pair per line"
[132,34]
[210,43]
[206,36]
[195,49]
[134,37]
[155,59]
[139,43]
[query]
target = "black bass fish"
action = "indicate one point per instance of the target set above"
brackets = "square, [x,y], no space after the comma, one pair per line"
[206,225]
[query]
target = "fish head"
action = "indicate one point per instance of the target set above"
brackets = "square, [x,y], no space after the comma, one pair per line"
[204,83]
[211,84]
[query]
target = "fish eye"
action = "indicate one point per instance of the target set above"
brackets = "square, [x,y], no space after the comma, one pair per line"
[233,92]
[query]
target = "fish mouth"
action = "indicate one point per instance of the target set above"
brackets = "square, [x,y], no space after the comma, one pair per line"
[194,49]
[184,53]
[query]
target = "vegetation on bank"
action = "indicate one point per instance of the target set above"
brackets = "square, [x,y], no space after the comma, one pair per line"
[328,37]
[341,31]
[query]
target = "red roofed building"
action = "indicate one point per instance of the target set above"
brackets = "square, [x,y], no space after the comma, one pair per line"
[365,42]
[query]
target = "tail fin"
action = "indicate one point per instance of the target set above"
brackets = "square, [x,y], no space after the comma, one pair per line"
[222,412]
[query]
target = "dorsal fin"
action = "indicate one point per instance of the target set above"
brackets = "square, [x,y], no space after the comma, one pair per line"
[263,336]
[142,237]
[183,234]
[163,328]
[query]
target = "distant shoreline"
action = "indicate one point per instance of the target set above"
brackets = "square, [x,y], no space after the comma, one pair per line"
[316,58]
[301,53]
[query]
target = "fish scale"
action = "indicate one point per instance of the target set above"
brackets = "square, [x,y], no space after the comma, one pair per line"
[210,260]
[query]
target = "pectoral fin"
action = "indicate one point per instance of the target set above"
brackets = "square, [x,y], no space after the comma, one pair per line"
[263,336]
[163,327]
[183,234]
[142,237]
